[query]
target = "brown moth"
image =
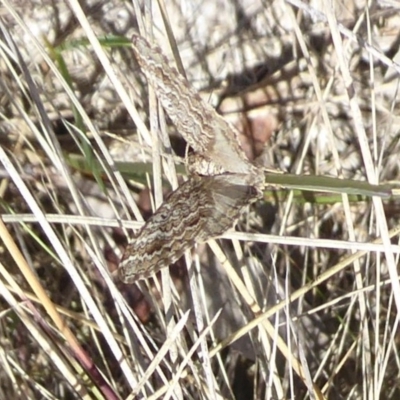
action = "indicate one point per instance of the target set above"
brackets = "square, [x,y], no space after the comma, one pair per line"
[222,179]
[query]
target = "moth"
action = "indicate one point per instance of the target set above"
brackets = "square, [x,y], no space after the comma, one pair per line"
[222,181]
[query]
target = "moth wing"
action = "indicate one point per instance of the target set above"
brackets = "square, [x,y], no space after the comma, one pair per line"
[229,194]
[200,209]
[201,126]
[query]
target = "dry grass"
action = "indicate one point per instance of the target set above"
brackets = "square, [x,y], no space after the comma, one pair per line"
[301,302]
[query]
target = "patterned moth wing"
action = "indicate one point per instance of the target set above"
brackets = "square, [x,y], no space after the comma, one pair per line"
[205,206]
[201,126]
[200,209]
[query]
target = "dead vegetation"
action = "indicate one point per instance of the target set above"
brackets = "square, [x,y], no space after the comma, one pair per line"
[300,302]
